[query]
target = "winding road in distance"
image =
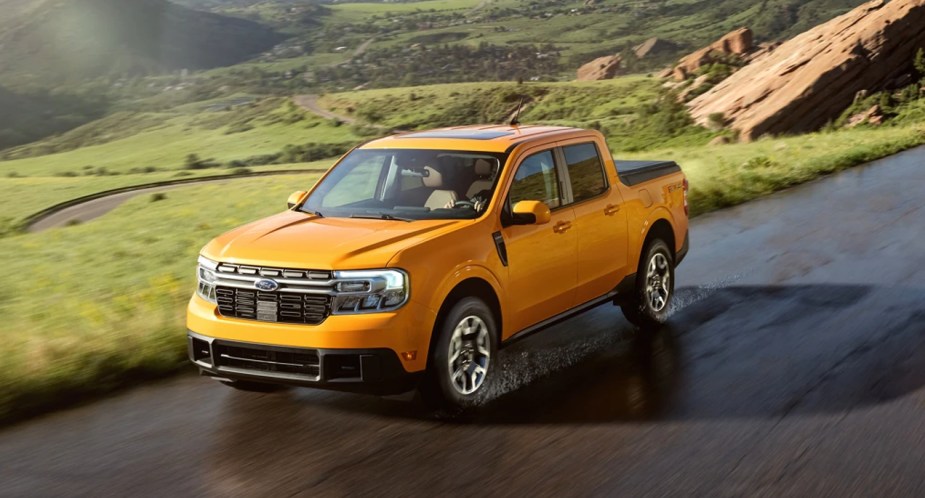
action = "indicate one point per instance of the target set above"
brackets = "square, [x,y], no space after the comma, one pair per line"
[96,205]
[794,364]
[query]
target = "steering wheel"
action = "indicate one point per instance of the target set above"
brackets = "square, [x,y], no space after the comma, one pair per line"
[464,204]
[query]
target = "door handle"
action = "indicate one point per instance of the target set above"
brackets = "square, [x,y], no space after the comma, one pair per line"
[611,209]
[562,227]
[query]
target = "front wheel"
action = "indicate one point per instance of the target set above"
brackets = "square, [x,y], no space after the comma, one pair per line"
[463,359]
[651,299]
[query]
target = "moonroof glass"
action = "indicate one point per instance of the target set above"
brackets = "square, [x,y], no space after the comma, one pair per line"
[462,134]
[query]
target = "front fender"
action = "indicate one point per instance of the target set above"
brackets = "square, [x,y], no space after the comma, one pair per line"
[462,273]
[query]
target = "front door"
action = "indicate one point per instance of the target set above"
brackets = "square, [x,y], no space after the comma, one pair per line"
[542,264]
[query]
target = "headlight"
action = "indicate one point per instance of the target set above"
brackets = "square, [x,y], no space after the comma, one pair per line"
[205,277]
[366,291]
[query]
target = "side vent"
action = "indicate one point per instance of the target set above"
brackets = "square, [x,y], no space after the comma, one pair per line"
[499,245]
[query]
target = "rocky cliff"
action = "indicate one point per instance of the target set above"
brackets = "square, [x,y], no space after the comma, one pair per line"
[602,68]
[810,79]
[736,43]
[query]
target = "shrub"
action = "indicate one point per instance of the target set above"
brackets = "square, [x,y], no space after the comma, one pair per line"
[159,196]
[194,162]
[146,169]
[239,128]
[717,120]
[919,63]
[8,227]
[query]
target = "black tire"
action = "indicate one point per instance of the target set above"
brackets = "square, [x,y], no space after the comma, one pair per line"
[254,387]
[441,390]
[639,308]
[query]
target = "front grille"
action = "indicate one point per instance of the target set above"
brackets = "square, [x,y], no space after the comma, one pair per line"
[304,363]
[280,307]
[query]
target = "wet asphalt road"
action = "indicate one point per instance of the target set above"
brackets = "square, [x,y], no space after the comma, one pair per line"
[794,365]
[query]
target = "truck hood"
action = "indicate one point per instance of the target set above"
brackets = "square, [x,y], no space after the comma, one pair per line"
[299,240]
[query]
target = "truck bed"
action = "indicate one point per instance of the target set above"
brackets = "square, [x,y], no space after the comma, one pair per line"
[636,172]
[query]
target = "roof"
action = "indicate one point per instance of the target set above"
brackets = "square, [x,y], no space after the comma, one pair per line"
[492,138]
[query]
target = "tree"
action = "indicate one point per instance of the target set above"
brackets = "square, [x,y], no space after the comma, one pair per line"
[920,63]
[192,161]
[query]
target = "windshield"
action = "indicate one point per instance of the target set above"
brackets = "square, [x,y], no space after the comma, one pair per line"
[408,184]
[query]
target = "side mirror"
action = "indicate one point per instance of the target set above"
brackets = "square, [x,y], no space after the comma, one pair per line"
[296,198]
[531,213]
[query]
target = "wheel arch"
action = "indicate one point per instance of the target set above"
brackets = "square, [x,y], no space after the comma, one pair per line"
[470,287]
[661,229]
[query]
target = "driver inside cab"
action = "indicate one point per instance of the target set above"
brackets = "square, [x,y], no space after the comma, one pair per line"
[478,192]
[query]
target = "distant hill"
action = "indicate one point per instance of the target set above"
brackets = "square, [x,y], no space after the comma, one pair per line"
[28,117]
[58,41]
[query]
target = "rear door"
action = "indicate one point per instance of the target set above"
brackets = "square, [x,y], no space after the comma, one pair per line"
[541,258]
[600,219]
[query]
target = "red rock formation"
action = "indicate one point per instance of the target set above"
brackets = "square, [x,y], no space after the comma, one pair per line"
[602,68]
[810,79]
[738,42]
[652,47]
[873,116]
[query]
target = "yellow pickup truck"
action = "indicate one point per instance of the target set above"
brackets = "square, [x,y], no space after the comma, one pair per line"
[417,256]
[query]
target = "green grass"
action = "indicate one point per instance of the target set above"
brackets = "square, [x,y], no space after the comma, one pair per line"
[434,105]
[73,329]
[20,197]
[352,12]
[266,127]
[726,175]
[622,108]
[610,26]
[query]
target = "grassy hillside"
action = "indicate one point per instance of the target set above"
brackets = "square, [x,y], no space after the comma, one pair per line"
[244,135]
[72,40]
[343,45]
[25,118]
[633,111]
[580,30]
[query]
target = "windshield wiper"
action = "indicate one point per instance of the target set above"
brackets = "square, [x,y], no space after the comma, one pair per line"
[381,216]
[313,213]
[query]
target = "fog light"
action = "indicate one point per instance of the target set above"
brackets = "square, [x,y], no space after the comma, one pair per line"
[409,355]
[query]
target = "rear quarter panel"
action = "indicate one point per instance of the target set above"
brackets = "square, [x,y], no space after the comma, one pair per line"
[658,199]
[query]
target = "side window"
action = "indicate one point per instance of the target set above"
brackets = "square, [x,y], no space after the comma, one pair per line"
[536,180]
[359,184]
[585,170]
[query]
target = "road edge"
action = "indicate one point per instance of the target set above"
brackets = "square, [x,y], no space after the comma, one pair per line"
[30,220]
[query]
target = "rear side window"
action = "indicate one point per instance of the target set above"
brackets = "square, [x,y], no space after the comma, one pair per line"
[585,171]
[536,180]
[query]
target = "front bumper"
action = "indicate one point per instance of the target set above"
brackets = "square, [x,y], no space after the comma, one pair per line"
[374,371]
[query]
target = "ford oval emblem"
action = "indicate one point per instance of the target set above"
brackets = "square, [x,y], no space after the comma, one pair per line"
[266,285]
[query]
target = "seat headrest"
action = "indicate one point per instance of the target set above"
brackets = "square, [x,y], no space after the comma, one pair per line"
[432,178]
[484,167]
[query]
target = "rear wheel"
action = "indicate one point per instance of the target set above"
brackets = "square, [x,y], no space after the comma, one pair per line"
[651,299]
[462,362]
